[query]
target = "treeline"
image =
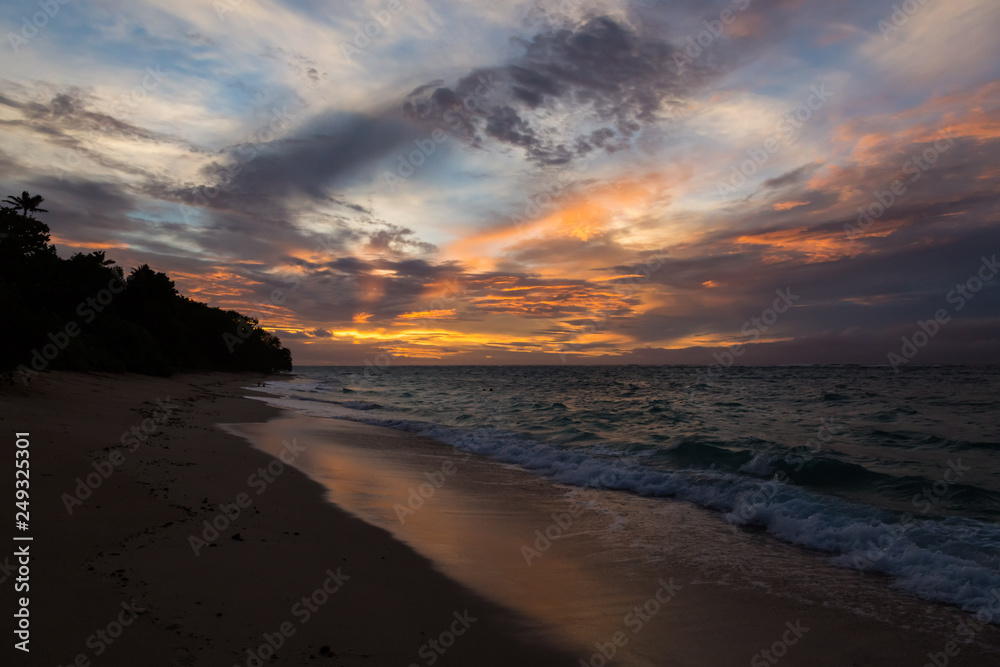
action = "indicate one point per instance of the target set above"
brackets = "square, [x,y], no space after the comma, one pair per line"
[84,313]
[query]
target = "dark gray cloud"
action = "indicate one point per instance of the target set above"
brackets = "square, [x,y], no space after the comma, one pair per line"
[83,208]
[71,109]
[71,121]
[396,240]
[792,177]
[858,298]
[569,91]
[271,175]
[872,298]
[332,292]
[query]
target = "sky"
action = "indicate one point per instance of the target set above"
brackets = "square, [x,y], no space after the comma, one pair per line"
[558,181]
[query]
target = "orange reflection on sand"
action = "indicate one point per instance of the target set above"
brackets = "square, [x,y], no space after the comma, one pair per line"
[431,496]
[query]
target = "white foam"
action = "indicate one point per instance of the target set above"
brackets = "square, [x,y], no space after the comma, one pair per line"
[762,465]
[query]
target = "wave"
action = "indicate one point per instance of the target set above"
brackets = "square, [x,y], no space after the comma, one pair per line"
[909,439]
[660,446]
[952,560]
[298,388]
[360,405]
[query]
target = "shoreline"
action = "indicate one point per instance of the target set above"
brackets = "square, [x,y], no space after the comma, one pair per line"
[119,575]
[475,518]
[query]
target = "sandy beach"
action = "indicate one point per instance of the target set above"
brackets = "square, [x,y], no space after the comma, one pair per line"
[117,582]
[163,538]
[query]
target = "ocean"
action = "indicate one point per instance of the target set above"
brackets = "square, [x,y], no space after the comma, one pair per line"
[870,470]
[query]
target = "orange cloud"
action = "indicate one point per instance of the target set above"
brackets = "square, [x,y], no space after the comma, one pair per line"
[788,205]
[789,244]
[86,245]
[562,299]
[220,287]
[431,343]
[580,216]
[966,114]
[429,315]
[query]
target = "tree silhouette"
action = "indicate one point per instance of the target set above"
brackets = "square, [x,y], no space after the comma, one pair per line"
[85,313]
[22,237]
[26,203]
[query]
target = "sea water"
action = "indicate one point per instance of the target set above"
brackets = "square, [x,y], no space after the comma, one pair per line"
[881,472]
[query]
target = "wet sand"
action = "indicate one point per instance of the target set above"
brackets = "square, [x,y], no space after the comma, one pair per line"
[672,582]
[325,587]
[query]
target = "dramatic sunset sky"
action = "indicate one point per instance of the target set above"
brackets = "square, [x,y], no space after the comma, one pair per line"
[499,182]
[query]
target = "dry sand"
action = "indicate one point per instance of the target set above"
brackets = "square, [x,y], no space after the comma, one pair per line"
[396,586]
[128,544]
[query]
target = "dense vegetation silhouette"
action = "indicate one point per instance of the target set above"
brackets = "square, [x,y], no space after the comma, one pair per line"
[83,313]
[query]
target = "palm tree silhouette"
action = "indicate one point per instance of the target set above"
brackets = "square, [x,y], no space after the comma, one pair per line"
[26,203]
